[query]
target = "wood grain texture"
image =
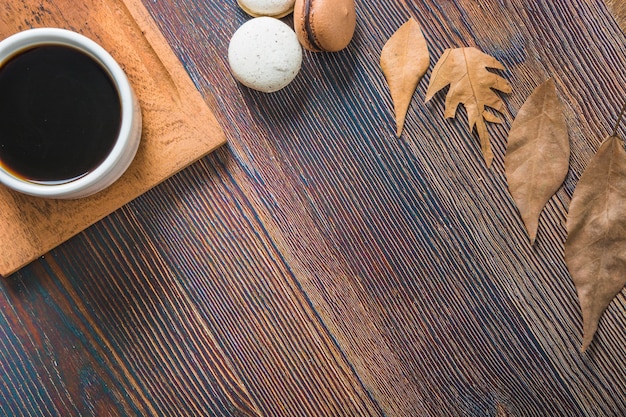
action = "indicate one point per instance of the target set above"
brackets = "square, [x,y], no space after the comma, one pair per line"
[319,266]
[178,128]
[618,8]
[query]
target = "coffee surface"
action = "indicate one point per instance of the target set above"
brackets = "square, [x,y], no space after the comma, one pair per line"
[60,114]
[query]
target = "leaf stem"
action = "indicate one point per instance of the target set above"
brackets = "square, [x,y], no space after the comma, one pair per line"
[619,119]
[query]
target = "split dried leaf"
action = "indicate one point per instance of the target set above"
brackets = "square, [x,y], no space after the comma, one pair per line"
[404,60]
[471,84]
[537,154]
[596,234]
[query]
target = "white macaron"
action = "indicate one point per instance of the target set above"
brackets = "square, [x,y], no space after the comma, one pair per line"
[272,8]
[264,54]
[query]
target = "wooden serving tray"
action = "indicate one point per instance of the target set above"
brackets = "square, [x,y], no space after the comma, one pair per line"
[178,127]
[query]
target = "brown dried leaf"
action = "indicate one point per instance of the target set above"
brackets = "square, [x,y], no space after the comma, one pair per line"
[465,70]
[404,61]
[537,154]
[595,250]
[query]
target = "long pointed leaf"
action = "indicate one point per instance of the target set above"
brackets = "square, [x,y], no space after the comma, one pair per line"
[404,60]
[595,250]
[537,154]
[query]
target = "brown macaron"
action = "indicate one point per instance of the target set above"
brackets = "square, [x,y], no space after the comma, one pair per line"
[324,25]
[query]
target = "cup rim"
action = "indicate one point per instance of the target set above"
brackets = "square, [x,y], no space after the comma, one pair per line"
[56,36]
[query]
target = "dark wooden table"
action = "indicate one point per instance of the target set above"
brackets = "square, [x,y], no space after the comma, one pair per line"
[319,266]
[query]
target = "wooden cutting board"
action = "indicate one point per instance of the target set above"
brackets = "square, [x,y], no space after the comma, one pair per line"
[618,8]
[178,127]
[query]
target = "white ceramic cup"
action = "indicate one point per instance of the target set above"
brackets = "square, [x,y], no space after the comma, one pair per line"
[127,142]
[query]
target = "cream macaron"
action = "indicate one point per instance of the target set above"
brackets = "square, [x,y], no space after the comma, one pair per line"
[271,8]
[265,54]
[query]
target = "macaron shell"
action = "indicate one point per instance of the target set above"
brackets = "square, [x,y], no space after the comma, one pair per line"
[324,25]
[264,54]
[271,8]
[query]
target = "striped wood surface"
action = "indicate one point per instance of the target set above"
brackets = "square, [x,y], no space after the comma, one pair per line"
[317,265]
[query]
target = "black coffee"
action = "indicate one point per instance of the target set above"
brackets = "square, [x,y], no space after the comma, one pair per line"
[60,114]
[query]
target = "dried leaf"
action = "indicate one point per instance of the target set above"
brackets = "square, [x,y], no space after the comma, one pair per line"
[537,154]
[404,61]
[595,250]
[465,70]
